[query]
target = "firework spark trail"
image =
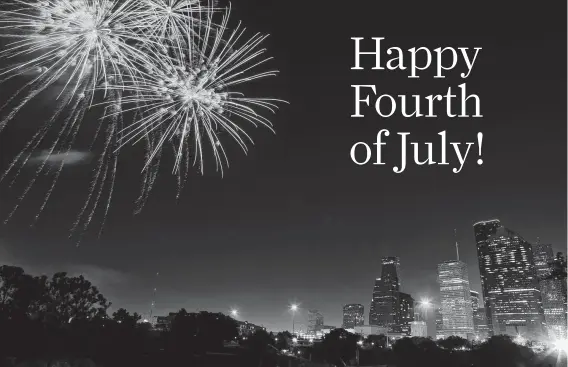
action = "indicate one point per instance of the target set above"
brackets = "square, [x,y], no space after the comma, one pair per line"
[110,192]
[74,45]
[186,99]
[149,175]
[69,120]
[94,182]
[109,166]
[167,59]
[71,139]
[32,145]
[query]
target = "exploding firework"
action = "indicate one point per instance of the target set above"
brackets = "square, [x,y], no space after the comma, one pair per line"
[72,48]
[168,20]
[190,97]
[166,61]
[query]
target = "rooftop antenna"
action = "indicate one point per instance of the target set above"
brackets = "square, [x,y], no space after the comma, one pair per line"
[457,246]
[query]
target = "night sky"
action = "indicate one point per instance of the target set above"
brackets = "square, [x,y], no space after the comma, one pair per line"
[296,220]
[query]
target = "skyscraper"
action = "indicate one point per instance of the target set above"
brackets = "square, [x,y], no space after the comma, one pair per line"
[315,321]
[553,303]
[474,299]
[508,279]
[542,255]
[455,299]
[406,312]
[479,319]
[385,305]
[353,315]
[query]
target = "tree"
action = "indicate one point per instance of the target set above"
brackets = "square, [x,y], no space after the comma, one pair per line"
[259,341]
[454,343]
[71,298]
[124,318]
[204,330]
[340,346]
[283,340]
[417,351]
[21,295]
[502,351]
[379,341]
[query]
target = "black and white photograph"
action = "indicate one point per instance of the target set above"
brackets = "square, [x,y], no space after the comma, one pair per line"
[268,183]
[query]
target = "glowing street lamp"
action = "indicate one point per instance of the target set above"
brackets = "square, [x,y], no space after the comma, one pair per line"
[293,308]
[234,313]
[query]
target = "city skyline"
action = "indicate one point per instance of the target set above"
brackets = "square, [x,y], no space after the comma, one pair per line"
[295,220]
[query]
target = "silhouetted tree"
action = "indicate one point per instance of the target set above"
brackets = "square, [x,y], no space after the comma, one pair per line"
[454,343]
[283,340]
[259,340]
[71,298]
[417,351]
[502,351]
[340,346]
[205,331]
[378,341]
[124,318]
[21,295]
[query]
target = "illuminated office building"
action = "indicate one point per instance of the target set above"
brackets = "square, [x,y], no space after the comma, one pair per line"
[315,321]
[553,301]
[542,255]
[474,296]
[508,279]
[406,312]
[455,299]
[353,315]
[385,305]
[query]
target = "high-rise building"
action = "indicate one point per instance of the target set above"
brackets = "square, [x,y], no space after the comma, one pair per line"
[406,312]
[474,299]
[508,279]
[479,319]
[418,328]
[385,305]
[439,323]
[553,300]
[353,315]
[315,321]
[455,299]
[543,256]
[480,324]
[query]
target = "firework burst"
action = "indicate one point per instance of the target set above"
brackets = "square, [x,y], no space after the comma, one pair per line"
[72,47]
[190,97]
[168,19]
[165,61]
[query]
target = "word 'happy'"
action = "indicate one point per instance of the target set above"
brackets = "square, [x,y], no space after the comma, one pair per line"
[417,60]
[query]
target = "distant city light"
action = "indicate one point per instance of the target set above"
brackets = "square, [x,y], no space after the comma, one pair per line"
[360,342]
[295,340]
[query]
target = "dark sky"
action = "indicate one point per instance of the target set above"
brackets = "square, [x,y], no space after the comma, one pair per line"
[295,220]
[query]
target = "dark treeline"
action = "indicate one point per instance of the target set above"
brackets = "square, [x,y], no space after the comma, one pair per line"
[66,318]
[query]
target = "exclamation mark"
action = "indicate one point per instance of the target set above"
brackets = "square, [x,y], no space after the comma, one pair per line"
[479,142]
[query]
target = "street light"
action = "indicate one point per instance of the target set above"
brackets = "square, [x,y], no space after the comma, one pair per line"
[293,308]
[234,313]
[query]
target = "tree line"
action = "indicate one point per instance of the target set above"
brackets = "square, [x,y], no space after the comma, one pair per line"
[65,317]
